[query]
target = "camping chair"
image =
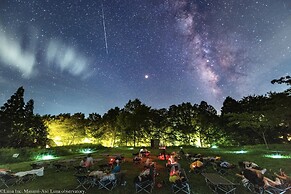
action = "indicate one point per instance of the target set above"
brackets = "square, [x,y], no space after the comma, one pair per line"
[147,185]
[84,181]
[7,180]
[108,182]
[182,186]
[277,190]
[25,176]
[221,169]
[254,188]
[219,184]
[60,167]
[80,170]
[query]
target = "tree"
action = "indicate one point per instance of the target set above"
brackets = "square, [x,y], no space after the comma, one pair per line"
[159,124]
[65,129]
[134,121]
[230,105]
[207,124]
[181,119]
[94,127]
[20,127]
[110,125]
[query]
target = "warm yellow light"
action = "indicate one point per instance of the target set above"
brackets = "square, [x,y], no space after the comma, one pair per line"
[86,140]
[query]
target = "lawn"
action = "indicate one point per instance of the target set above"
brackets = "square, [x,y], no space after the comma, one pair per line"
[64,181]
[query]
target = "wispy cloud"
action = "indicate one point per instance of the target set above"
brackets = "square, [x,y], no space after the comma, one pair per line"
[13,55]
[67,58]
[25,59]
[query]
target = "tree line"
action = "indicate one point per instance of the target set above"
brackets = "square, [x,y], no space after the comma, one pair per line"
[257,119]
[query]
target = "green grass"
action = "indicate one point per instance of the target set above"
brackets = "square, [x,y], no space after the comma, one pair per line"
[65,180]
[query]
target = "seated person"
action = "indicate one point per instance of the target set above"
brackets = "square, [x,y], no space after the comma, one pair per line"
[284,177]
[144,175]
[136,159]
[196,164]
[256,177]
[144,152]
[89,161]
[172,161]
[177,177]
[117,167]
[148,162]
[83,162]
[226,164]
[175,168]
[4,171]
[120,158]
[98,174]
[163,156]
[248,164]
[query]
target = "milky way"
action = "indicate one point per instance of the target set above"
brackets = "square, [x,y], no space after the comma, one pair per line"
[90,56]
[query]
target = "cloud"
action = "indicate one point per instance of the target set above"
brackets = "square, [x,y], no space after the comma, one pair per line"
[67,59]
[13,55]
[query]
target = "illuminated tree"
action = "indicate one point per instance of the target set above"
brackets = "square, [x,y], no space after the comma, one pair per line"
[160,125]
[182,121]
[110,125]
[134,122]
[207,124]
[65,129]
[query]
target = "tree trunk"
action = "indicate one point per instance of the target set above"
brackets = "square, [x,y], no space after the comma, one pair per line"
[265,140]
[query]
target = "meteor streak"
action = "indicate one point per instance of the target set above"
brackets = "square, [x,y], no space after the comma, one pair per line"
[104,29]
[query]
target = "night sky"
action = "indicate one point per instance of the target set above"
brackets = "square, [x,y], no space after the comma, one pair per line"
[91,55]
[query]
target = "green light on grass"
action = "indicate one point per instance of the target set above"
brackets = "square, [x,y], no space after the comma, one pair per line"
[214,146]
[280,156]
[45,157]
[86,151]
[240,152]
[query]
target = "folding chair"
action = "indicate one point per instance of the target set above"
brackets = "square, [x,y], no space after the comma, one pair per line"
[60,167]
[8,180]
[219,184]
[220,169]
[84,181]
[26,178]
[254,188]
[147,185]
[80,170]
[108,182]
[182,186]
[277,190]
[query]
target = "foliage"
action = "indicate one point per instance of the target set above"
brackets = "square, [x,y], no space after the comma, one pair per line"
[250,120]
[19,126]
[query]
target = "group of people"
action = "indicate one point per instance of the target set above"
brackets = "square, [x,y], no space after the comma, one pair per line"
[176,175]
[147,174]
[256,175]
[250,170]
[87,161]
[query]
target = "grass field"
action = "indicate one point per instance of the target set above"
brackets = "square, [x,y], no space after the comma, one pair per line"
[65,182]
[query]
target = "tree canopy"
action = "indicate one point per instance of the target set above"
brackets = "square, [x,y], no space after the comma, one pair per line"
[256,119]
